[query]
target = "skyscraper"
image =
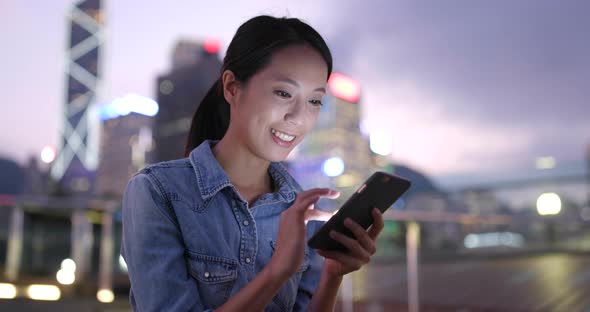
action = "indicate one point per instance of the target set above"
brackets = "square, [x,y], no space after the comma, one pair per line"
[126,145]
[195,67]
[77,160]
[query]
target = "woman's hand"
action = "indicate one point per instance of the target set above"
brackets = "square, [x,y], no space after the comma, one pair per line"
[360,250]
[290,248]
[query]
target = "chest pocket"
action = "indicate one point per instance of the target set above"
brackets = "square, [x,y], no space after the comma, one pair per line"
[215,277]
[285,298]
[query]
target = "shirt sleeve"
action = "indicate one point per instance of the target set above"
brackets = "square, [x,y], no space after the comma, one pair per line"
[154,251]
[311,277]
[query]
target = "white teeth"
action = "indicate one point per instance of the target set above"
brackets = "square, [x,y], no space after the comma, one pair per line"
[282,136]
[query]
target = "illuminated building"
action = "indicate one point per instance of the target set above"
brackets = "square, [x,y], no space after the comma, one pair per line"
[126,142]
[77,160]
[335,153]
[195,67]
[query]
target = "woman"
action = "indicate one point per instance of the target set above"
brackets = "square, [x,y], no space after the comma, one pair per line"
[226,227]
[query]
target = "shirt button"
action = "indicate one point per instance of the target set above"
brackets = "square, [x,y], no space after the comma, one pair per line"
[246,223]
[248,260]
[207,274]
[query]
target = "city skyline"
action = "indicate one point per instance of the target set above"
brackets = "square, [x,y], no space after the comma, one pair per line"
[454,100]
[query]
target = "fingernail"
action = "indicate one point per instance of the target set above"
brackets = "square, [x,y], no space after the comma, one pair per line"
[332,233]
[347,221]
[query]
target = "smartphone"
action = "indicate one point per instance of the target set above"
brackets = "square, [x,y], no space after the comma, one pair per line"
[380,191]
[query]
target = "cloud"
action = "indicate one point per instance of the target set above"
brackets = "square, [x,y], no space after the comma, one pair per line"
[426,137]
[440,79]
[483,84]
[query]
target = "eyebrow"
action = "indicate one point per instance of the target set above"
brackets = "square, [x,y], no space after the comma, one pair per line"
[295,83]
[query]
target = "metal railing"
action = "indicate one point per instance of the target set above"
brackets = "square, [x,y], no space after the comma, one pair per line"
[414,220]
[80,250]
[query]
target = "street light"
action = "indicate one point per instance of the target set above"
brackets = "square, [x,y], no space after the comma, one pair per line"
[380,144]
[48,154]
[333,167]
[548,204]
[544,163]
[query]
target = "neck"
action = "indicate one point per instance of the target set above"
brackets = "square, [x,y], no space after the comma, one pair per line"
[244,169]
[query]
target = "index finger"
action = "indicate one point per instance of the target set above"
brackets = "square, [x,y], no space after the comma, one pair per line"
[311,197]
[377,224]
[317,191]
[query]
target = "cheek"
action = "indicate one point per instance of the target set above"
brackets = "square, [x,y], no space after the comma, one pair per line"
[268,111]
[312,117]
[261,116]
[254,109]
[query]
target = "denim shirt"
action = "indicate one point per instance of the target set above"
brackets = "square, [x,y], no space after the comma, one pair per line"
[191,242]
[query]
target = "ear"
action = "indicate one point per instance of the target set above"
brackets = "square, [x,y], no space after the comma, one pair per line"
[230,86]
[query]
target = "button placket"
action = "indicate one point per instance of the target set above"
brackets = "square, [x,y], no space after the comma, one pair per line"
[249,231]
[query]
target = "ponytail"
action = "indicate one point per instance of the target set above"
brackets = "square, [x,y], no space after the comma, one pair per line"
[211,120]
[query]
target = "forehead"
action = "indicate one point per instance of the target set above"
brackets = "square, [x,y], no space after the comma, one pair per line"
[300,63]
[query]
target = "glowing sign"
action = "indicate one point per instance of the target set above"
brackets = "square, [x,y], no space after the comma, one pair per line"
[344,87]
[493,239]
[212,45]
[131,103]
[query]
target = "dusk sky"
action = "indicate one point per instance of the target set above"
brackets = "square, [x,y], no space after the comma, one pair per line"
[461,87]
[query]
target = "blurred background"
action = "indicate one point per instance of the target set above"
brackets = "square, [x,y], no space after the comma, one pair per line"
[483,105]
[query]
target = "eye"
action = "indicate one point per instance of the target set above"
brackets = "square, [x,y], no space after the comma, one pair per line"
[316,102]
[283,94]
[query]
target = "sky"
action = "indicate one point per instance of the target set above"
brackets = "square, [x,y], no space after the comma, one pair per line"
[463,88]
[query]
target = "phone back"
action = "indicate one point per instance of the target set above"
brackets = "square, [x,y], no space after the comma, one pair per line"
[381,190]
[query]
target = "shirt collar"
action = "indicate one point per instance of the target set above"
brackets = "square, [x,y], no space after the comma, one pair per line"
[211,177]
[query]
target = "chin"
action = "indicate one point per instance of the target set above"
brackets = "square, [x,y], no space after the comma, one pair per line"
[275,153]
[277,156]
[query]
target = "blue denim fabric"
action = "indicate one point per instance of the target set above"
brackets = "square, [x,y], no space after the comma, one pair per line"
[191,242]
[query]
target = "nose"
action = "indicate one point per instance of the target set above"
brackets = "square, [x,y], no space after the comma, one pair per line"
[296,113]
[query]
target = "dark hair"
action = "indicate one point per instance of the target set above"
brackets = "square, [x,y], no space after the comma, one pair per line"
[250,51]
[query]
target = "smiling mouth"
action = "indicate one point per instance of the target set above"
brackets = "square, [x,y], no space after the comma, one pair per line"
[282,135]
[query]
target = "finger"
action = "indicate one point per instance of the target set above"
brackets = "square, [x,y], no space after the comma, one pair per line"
[332,195]
[361,235]
[378,224]
[312,192]
[305,201]
[344,259]
[305,195]
[317,215]
[324,192]
[354,247]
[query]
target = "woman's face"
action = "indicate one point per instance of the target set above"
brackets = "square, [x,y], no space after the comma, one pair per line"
[280,104]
